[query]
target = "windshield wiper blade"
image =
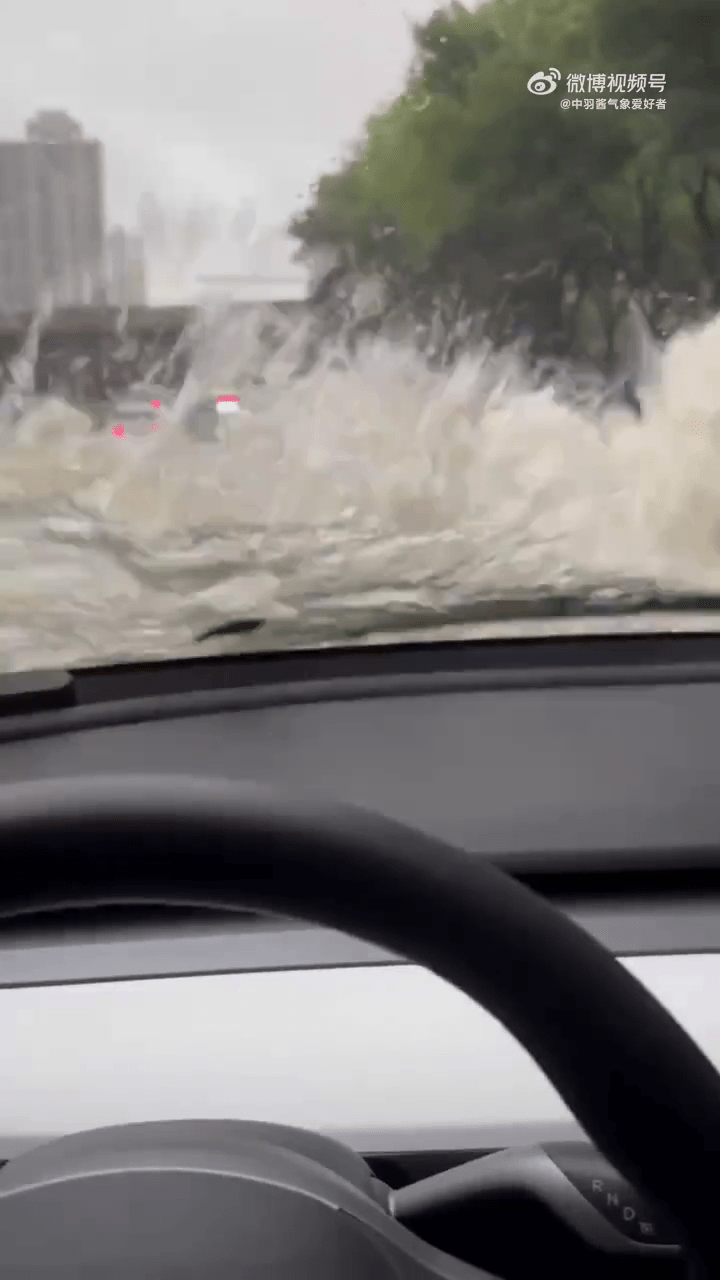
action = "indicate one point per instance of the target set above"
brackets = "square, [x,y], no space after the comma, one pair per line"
[536,606]
[605,601]
[602,601]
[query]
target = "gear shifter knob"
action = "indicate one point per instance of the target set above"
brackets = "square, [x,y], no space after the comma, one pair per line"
[610,1194]
[570,1182]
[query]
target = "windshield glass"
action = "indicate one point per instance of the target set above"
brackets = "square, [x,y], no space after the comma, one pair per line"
[328,322]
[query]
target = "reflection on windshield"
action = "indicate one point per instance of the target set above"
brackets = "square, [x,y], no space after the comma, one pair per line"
[353,319]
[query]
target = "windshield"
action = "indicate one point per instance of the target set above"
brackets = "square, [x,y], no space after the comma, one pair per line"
[324,322]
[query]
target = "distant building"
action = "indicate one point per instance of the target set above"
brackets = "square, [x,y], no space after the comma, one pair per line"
[125,258]
[153,224]
[234,272]
[53,126]
[51,216]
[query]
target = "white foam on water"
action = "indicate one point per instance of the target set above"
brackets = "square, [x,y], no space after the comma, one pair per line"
[365,492]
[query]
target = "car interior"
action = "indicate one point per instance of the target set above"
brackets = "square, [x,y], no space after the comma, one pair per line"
[514,816]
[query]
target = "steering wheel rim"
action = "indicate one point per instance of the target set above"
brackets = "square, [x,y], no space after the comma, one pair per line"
[637,1083]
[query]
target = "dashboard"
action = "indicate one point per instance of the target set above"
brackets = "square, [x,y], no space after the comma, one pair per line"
[586,768]
[545,749]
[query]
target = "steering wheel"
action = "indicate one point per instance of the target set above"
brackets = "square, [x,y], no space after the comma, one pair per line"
[214,1200]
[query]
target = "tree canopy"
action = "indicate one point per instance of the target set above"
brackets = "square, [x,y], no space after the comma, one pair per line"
[535,213]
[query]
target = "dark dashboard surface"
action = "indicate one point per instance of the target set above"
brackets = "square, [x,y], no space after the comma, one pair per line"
[500,759]
[559,759]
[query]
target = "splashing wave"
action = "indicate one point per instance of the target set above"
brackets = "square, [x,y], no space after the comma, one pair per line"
[348,499]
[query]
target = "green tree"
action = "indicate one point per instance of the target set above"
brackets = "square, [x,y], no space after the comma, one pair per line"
[471,186]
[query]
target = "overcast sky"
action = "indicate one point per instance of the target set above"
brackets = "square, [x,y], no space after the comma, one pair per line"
[214,99]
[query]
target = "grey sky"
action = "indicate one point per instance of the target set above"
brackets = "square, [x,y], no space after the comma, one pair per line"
[217,99]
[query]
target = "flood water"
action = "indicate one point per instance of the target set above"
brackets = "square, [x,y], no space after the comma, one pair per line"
[348,501]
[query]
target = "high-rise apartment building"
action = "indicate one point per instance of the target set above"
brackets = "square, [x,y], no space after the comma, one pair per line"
[51,216]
